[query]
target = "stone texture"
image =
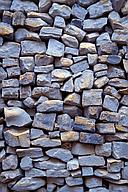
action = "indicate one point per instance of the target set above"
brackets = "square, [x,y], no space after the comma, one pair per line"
[91,138]
[10,49]
[91,160]
[120,150]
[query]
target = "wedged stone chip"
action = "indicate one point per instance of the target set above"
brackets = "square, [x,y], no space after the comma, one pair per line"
[18,18]
[110,103]
[5,29]
[120,36]
[32,47]
[82,149]
[19,5]
[91,160]
[28,183]
[104,174]
[46,142]
[92,97]
[7,176]
[60,10]
[35,173]
[68,86]
[35,24]
[10,49]
[30,152]
[105,128]
[84,124]
[72,99]
[119,83]
[44,5]
[75,31]
[91,138]
[50,32]
[44,121]
[85,81]
[61,74]
[15,138]
[26,163]
[55,48]
[71,189]
[78,11]
[120,150]
[104,149]
[72,181]
[15,116]
[60,153]
[57,173]
[69,40]
[100,8]
[10,162]
[86,48]
[50,106]
[92,25]
[10,93]
[69,136]
[64,122]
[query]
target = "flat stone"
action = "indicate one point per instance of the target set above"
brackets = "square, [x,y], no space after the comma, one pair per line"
[55,48]
[120,36]
[30,152]
[86,48]
[78,11]
[18,18]
[92,25]
[59,22]
[5,29]
[59,153]
[44,121]
[32,47]
[43,60]
[50,106]
[64,122]
[35,24]
[79,66]
[123,116]
[100,8]
[84,124]
[72,99]
[72,181]
[10,49]
[57,173]
[92,112]
[114,165]
[69,136]
[91,160]
[43,69]
[91,138]
[61,74]
[116,188]
[108,116]
[70,189]
[26,163]
[28,183]
[103,150]
[44,5]
[82,149]
[46,142]
[92,97]
[10,162]
[18,5]
[114,72]
[119,83]
[50,32]
[36,133]
[10,93]
[101,82]
[103,173]
[35,173]
[71,51]
[5,5]
[106,128]
[15,116]
[87,171]
[27,63]
[120,150]
[114,59]
[92,182]
[69,40]
[110,103]
[11,175]
[60,10]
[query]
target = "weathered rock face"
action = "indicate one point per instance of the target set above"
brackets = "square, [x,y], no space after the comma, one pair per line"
[63,95]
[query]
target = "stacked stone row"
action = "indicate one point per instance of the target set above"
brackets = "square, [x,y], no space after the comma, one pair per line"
[64,96]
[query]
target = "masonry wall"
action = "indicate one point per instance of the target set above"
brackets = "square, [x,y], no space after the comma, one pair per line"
[64,96]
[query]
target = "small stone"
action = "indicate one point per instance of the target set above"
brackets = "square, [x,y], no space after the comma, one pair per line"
[91,138]
[72,99]
[18,18]
[114,166]
[93,182]
[78,11]
[92,59]
[120,36]
[26,163]
[59,153]
[11,175]
[42,59]
[35,24]
[124,100]
[79,66]
[18,5]
[120,150]
[84,124]
[114,59]
[13,72]
[72,165]
[82,149]
[55,48]
[92,112]
[44,5]
[27,78]
[103,150]
[25,91]
[91,160]
[71,189]
[50,32]
[28,183]
[59,22]
[15,116]
[60,74]
[60,10]
[29,102]
[44,79]
[27,63]
[101,82]
[125,172]
[36,133]
[87,171]
[5,29]
[3,74]
[10,162]
[64,122]
[92,25]
[69,40]
[108,116]
[10,49]
[30,152]
[46,142]
[111,91]
[43,69]
[68,86]
[35,173]
[72,181]
[44,121]
[69,136]
[92,97]
[50,106]
[106,128]
[57,173]
[10,93]
[32,47]
[110,103]
[71,51]
[86,48]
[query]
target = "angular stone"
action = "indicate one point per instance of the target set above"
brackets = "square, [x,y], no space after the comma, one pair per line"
[19,5]
[92,112]
[18,18]
[92,97]
[101,82]
[69,40]
[59,22]
[3,74]
[119,83]
[42,59]
[114,166]
[44,79]
[79,66]
[97,189]
[71,189]
[13,72]
[103,150]
[120,36]
[123,116]
[44,5]
[15,116]
[68,86]
[30,152]
[44,121]
[61,74]
[116,188]
[57,173]
[91,138]
[87,171]
[120,150]
[72,181]
[84,124]
[32,47]
[106,128]
[91,160]
[93,182]
[71,51]
[10,83]
[125,64]
[60,10]
[11,175]
[50,32]
[100,8]
[78,11]
[5,29]
[43,69]
[35,173]
[28,183]
[5,5]
[108,116]
[36,133]
[46,142]
[10,93]
[72,99]
[64,122]
[82,149]
[69,136]
[103,173]
[55,48]
[110,103]
[86,48]
[50,106]
[125,172]
[10,49]
[114,72]
[27,78]
[92,25]
[26,163]
[35,24]
[59,153]
[112,91]
[72,165]
[25,91]
[10,162]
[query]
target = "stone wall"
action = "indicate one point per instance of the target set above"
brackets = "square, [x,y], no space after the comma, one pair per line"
[64,96]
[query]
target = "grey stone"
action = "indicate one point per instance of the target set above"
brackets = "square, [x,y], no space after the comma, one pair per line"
[43,69]
[29,102]
[103,150]
[73,164]
[71,51]
[124,100]
[84,124]
[28,183]
[69,136]
[100,8]
[43,60]
[5,5]
[60,153]
[92,97]
[70,189]
[91,138]
[117,188]
[55,48]
[72,181]
[87,171]
[44,121]
[27,78]
[78,11]
[100,67]
[110,103]
[92,59]
[64,122]
[112,91]
[97,189]
[18,18]
[125,172]
[13,72]
[59,22]
[69,40]
[120,36]
[114,59]
[106,128]
[86,48]
[60,74]
[5,29]
[50,32]
[91,160]
[82,149]
[44,5]
[30,152]
[18,5]
[35,173]
[44,79]
[10,93]
[46,142]
[3,74]
[57,173]
[10,49]
[50,106]
[123,116]
[26,163]
[119,83]
[114,72]
[68,86]
[25,91]
[60,10]
[72,99]
[93,182]
[108,116]
[15,116]
[92,25]
[101,82]
[117,5]
[52,164]
[125,64]
[120,150]
[8,176]
[79,66]
[27,63]
[103,173]
[32,47]
[36,133]
[10,162]
[103,38]
[35,24]
[114,165]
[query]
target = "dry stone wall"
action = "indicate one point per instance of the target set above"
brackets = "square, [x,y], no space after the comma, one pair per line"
[64,95]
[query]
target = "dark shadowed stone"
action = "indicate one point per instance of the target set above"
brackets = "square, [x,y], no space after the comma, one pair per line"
[64,122]
[91,138]
[117,4]
[71,181]
[30,152]
[44,5]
